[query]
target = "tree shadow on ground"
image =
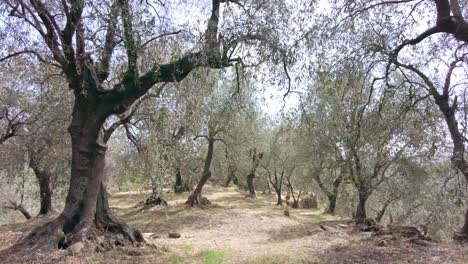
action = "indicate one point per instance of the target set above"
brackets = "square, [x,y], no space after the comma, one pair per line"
[302,229]
[367,252]
[163,219]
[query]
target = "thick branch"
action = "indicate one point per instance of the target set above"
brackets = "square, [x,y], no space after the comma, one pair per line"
[109,43]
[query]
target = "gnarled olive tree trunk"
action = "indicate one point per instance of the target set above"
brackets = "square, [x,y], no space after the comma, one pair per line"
[458,155]
[43,177]
[332,195]
[196,197]
[84,215]
[361,207]
[180,186]
[256,158]
[447,107]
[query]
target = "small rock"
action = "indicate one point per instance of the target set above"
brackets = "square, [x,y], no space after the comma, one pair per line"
[119,243]
[342,225]
[76,248]
[382,243]
[174,235]
[419,242]
[367,234]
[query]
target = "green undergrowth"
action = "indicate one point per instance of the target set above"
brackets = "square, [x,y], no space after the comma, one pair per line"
[202,257]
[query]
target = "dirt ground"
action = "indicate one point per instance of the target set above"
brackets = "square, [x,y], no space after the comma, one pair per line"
[236,229]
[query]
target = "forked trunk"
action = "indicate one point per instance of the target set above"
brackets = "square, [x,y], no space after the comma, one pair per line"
[381,213]
[231,178]
[279,200]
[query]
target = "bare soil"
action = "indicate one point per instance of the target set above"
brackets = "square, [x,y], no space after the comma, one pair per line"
[237,229]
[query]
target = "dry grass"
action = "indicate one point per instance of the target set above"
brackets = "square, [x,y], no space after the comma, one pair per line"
[237,229]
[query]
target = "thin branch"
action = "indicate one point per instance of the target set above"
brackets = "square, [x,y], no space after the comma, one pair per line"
[14,54]
[160,36]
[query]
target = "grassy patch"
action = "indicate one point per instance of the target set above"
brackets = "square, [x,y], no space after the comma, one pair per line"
[279,259]
[188,248]
[174,259]
[211,256]
[314,217]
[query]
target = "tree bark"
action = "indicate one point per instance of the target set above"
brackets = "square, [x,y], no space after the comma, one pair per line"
[24,212]
[231,177]
[83,211]
[43,176]
[458,155]
[361,207]
[94,104]
[180,186]
[45,188]
[279,200]
[250,185]
[381,213]
[19,208]
[196,197]
[331,208]
[256,158]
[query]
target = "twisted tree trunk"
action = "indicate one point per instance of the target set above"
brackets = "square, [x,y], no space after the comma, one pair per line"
[84,215]
[196,197]
[256,158]
[180,186]
[45,188]
[331,208]
[361,207]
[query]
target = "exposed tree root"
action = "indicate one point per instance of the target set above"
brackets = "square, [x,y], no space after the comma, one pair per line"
[154,200]
[460,237]
[367,225]
[182,188]
[197,199]
[251,195]
[104,232]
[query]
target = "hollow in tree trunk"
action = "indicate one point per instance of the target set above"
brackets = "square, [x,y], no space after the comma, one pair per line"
[196,197]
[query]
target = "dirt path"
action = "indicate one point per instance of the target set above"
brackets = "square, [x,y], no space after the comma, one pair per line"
[236,229]
[243,230]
